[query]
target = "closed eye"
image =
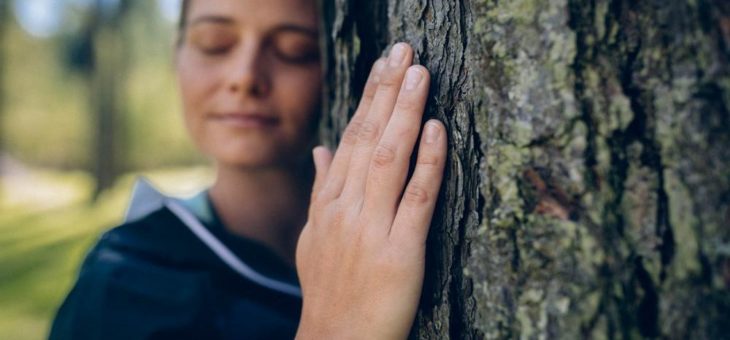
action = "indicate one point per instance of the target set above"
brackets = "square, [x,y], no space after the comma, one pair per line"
[211,39]
[295,47]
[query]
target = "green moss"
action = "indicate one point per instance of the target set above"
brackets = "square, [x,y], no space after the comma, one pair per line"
[531,314]
[600,15]
[517,12]
[507,161]
[620,111]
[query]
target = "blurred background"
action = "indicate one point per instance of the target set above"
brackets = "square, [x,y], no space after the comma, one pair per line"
[88,102]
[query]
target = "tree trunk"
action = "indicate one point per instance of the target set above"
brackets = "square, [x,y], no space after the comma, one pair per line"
[106,91]
[587,193]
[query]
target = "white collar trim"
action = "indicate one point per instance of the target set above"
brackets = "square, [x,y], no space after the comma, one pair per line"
[146,199]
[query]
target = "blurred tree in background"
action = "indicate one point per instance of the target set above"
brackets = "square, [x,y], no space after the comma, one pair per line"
[105,63]
[92,88]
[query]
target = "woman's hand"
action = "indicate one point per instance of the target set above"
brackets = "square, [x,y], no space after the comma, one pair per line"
[361,255]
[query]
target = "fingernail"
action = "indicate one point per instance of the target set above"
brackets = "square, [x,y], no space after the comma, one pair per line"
[413,78]
[431,133]
[397,54]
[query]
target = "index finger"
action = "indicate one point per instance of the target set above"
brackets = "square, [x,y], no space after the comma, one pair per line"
[341,161]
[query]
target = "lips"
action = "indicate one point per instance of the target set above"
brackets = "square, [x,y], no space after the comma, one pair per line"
[246,119]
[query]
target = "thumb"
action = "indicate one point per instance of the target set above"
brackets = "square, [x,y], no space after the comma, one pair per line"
[322,160]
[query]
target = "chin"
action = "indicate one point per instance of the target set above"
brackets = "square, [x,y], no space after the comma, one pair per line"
[256,153]
[257,160]
[247,161]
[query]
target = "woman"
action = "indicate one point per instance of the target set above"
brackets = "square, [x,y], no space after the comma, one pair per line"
[222,264]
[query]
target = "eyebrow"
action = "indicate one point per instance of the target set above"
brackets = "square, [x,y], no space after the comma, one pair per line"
[285,27]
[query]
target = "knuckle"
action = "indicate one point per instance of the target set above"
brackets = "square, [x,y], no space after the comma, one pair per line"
[367,132]
[368,93]
[384,155]
[428,159]
[336,215]
[321,197]
[351,133]
[407,103]
[415,194]
[388,80]
[342,212]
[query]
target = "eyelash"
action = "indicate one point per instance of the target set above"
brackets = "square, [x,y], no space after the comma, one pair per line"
[217,51]
[304,58]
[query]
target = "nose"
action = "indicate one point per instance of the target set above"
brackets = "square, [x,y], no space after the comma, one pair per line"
[247,75]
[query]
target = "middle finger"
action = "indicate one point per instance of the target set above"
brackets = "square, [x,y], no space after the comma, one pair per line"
[381,109]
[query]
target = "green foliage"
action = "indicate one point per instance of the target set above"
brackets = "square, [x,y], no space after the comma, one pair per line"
[47,118]
[44,118]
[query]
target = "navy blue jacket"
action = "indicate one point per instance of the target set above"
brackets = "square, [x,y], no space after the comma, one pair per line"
[156,278]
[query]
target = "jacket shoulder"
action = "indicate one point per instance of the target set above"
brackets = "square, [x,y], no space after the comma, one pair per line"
[140,273]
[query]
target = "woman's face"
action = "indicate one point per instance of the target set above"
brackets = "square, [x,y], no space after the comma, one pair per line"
[249,74]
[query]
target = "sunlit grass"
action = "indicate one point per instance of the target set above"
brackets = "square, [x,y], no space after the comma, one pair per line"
[47,224]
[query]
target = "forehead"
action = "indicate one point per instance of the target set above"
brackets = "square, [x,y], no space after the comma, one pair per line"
[263,13]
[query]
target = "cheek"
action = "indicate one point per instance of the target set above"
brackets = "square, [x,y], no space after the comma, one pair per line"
[300,93]
[197,82]
[192,83]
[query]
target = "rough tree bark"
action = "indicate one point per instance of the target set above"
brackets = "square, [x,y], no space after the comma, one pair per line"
[588,189]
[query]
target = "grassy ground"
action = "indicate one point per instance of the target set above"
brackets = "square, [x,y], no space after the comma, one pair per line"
[46,227]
